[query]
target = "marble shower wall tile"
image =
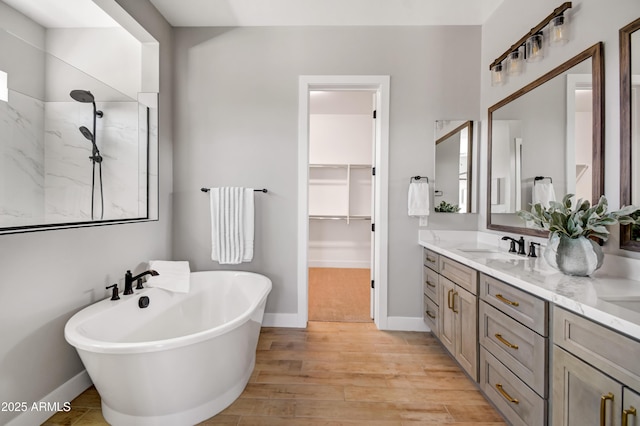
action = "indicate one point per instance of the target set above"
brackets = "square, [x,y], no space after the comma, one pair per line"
[68,169]
[21,160]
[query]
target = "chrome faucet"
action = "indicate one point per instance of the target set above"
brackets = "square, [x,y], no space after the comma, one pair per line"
[512,246]
[129,279]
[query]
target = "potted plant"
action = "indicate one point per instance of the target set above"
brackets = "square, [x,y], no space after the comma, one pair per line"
[445,207]
[575,232]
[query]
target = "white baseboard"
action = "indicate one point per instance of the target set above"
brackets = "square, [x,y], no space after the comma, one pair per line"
[406,324]
[282,320]
[64,393]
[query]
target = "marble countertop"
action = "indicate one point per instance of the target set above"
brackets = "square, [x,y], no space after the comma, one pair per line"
[603,298]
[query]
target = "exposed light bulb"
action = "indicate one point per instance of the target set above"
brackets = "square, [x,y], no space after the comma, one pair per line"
[498,75]
[559,30]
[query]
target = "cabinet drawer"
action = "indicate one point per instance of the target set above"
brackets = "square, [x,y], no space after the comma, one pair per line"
[460,274]
[430,285]
[431,260]
[523,307]
[431,315]
[503,388]
[522,350]
[605,349]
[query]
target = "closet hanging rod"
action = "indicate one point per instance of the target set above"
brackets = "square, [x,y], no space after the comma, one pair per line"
[418,178]
[255,190]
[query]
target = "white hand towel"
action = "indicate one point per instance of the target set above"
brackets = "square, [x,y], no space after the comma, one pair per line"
[172,276]
[232,225]
[418,201]
[543,193]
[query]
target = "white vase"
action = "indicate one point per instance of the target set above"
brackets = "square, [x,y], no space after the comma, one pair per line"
[573,256]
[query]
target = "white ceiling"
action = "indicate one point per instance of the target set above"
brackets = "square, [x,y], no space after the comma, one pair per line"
[64,13]
[206,13]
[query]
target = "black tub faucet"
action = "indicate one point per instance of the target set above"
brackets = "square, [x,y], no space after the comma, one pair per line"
[129,279]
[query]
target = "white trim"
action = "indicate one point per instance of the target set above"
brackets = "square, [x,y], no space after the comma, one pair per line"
[407,324]
[281,320]
[381,85]
[63,394]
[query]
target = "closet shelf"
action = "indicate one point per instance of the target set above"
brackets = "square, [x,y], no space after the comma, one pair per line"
[339,217]
[340,166]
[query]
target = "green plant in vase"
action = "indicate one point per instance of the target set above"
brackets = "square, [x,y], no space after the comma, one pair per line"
[445,207]
[576,230]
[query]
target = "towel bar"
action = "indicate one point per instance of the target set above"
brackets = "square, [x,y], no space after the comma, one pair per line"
[418,178]
[537,178]
[255,190]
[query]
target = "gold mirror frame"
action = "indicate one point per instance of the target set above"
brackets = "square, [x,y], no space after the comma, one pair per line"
[596,54]
[626,151]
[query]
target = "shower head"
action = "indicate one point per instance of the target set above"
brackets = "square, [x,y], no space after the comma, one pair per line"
[95,156]
[84,96]
[86,133]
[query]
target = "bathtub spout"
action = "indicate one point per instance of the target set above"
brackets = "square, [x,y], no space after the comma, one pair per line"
[129,279]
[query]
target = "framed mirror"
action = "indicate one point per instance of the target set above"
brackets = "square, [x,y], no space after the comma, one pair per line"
[78,134]
[546,141]
[454,154]
[630,128]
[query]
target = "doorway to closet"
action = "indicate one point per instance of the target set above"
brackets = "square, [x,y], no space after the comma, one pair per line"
[341,205]
[380,84]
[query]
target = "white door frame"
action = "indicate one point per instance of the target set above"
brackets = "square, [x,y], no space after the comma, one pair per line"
[381,85]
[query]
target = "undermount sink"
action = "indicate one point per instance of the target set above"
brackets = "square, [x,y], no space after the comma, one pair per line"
[631,303]
[490,254]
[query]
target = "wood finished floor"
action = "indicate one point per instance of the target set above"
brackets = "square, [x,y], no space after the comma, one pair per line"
[341,374]
[339,294]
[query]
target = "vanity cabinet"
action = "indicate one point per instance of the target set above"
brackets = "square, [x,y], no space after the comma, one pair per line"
[596,373]
[431,291]
[451,307]
[513,351]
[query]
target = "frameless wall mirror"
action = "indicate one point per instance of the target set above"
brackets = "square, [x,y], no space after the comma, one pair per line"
[546,141]
[454,154]
[630,128]
[78,126]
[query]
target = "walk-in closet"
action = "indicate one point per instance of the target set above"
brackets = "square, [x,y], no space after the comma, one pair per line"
[341,143]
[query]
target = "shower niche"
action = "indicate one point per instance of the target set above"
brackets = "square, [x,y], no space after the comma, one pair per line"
[77,148]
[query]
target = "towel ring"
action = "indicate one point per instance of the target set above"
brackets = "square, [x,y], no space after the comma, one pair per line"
[418,178]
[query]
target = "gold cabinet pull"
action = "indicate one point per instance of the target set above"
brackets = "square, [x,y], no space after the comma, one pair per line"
[430,284]
[431,259]
[603,408]
[430,315]
[505,341]
[506,395]
[505,300]
[449,299]
[631,411]
[453,302]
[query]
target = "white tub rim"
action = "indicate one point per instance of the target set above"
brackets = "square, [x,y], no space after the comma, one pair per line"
[85,343]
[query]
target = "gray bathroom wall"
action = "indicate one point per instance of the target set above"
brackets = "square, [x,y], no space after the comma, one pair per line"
[237,125]
[45,277]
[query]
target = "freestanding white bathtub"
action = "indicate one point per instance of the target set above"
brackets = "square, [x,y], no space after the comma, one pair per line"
[179,361]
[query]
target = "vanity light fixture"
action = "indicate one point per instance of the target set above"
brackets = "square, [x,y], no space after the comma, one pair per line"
[4,87]
[533,43]
[514,62]
[534,47]
[498,75]
[559,30]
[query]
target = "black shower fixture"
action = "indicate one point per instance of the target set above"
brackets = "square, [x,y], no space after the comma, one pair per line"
[86,97]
